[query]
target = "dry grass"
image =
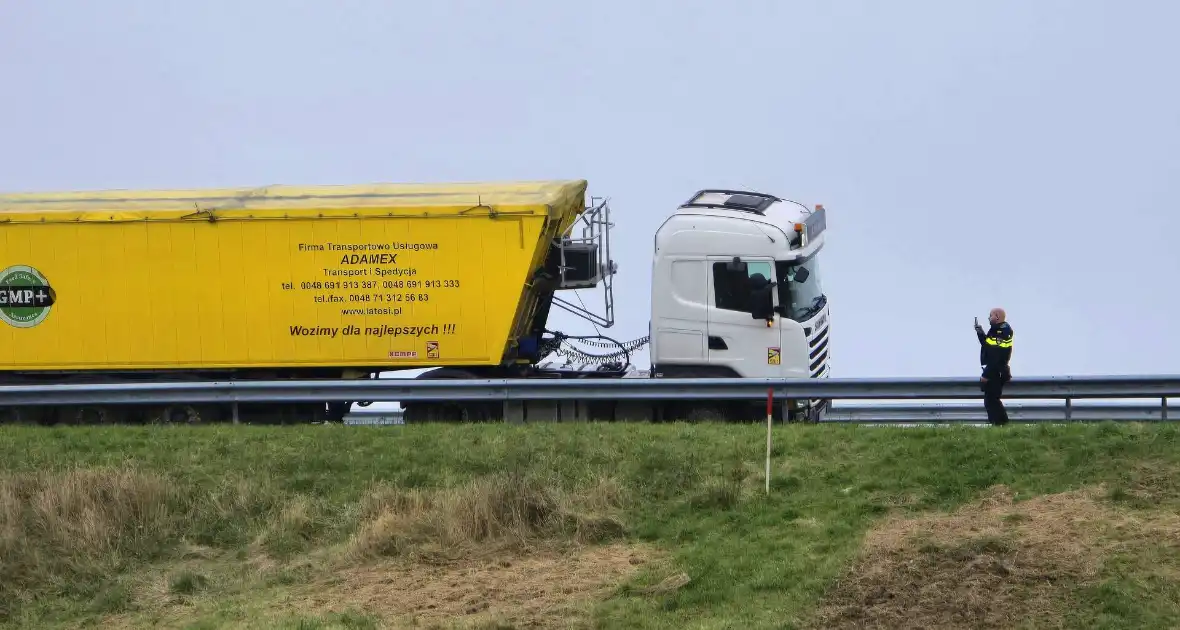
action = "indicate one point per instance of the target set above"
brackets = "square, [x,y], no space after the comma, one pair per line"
[996,564]
[490,514]
[496,547]
[494,550]
[71,532]
[1149,484]
[535,589]
[84,513]
[58,527]
[538,588]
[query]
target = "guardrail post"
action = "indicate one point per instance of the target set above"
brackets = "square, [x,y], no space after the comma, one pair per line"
[514,411]
[1164,409]
[543,410]
[769,421]
[237,417]
[1068,409]
[634,411]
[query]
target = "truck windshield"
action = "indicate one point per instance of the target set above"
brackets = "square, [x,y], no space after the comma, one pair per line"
[801,298]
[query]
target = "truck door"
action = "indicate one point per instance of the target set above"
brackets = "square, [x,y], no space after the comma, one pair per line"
[736,340]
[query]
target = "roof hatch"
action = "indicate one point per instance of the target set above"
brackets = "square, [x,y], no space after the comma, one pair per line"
[740,200]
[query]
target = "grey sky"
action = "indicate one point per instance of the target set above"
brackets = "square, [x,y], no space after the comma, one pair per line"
[970,154]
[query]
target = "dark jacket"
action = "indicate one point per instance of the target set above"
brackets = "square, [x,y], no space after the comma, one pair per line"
[995,350]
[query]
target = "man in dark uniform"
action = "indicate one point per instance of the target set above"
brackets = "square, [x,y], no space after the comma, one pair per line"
[995,350]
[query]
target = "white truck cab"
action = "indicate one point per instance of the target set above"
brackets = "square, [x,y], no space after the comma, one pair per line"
[737,291]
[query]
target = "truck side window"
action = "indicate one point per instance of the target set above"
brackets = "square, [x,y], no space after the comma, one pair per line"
[731,290]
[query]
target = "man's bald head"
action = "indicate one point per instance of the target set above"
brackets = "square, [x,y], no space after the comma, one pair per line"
[997,315]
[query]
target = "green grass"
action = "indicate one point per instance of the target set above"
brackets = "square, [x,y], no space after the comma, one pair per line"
[194,505]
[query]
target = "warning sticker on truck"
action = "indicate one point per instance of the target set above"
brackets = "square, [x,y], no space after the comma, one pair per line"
[773,356]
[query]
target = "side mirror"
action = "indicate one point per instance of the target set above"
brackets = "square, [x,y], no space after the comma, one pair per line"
[736,266]
[801,274]
[761,298]
[761,304]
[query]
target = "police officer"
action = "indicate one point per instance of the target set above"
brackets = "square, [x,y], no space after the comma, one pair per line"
[995,350]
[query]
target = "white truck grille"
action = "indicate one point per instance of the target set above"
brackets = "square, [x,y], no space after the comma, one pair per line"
[817,341]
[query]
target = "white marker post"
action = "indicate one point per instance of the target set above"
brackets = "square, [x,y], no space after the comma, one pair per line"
[769,416]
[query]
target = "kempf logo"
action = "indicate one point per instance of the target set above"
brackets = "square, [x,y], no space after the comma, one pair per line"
[25,296]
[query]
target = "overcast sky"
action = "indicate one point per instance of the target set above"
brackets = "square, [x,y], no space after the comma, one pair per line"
[970,154]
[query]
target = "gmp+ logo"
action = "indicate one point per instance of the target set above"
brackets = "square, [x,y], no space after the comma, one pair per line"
[25,296]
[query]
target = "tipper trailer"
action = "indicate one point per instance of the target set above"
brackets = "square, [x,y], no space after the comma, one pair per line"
[345,282]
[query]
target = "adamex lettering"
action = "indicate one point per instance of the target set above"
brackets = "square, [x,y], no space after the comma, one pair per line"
[369,259]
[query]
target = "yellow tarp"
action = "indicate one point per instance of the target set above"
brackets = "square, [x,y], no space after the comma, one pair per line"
[560,197]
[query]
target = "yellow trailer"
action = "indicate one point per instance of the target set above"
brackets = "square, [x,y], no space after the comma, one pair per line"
[384,276]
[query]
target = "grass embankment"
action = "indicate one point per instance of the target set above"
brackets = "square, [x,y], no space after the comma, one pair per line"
[632,526]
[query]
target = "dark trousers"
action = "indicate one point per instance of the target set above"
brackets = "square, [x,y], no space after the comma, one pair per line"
[993,390]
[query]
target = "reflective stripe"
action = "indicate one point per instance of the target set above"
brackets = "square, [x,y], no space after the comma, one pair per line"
[997,342]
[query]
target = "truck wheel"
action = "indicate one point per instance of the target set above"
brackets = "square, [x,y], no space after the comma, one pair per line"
[178,414]
[90,415]
[337,411]
[705,412]
[17,415]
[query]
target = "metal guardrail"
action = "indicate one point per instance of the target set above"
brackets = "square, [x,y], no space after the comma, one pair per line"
[930,413]
[405,390]
[953,414]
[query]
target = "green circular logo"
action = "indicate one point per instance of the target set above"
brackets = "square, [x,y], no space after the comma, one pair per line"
[25,296]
